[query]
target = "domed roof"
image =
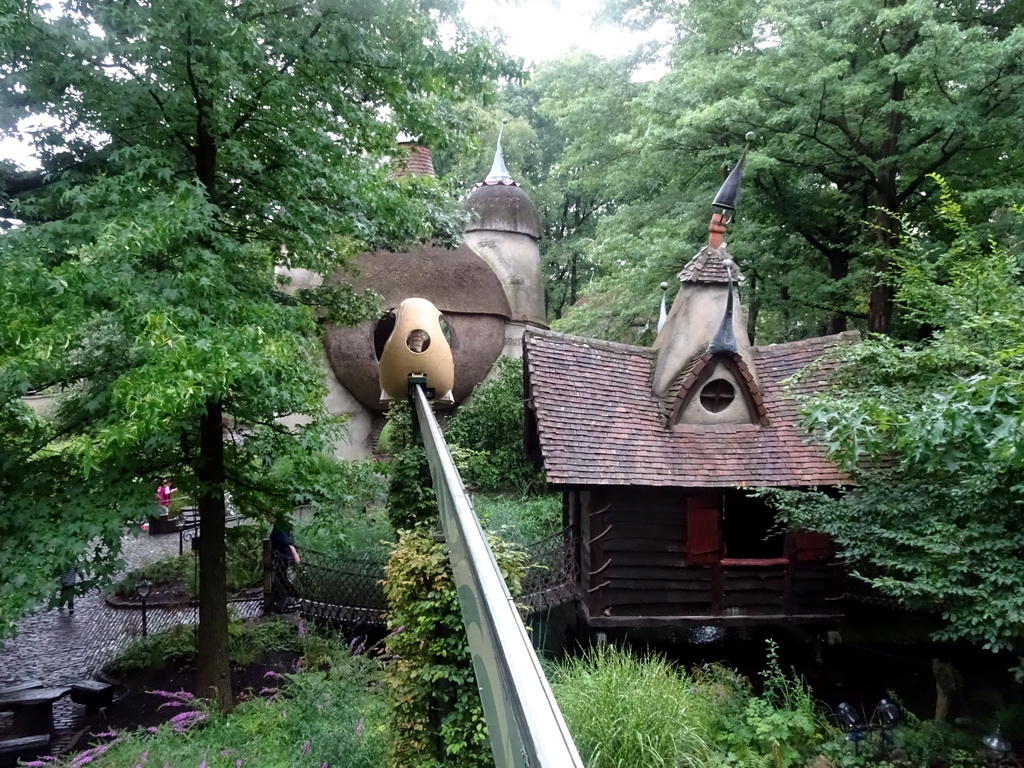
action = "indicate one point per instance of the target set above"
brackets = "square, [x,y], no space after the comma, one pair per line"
[453,280]
[499,204]
[502,208]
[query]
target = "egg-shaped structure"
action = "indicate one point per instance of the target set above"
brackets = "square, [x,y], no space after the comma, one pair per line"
[458,282]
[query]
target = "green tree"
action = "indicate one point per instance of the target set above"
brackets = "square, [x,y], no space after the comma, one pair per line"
[189,148]
[932,433]
[854,105]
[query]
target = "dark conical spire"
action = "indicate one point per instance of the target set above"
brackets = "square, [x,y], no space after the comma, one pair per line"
[725,338]
[727,198]
[729,193]
[499,173]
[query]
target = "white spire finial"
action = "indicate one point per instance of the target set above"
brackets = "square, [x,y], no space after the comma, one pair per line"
[663,315]
[499,173]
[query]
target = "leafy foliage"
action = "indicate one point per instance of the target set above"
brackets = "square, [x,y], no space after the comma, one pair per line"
[486,434]
[848,127]
[434,694]
[192,152]
[330,711]
[247,641]
[522,520]
[932,434]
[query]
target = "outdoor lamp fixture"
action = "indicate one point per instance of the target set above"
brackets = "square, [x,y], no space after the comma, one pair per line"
[848,716]
[885,718]
[886,714]
[997,749]
[142,589]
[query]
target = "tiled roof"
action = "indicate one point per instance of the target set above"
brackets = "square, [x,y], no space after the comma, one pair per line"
[417,163]
[708,267]
[598,424]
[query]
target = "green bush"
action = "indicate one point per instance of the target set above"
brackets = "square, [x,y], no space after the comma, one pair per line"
[155,651]
[486,434]
[434,695]
[356,533]
[162,573]
[247,641]
[331,716]
[520,519]
[244,551]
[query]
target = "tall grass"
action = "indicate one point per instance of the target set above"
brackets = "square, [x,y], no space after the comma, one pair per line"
[625,711]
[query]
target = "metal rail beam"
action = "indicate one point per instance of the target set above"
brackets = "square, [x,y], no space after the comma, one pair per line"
[525,725]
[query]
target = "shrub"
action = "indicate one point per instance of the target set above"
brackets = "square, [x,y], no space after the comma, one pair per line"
[162,573]
[434,694]
[486,434]
[247,641]
[244,552]
[333,716]
[521,519]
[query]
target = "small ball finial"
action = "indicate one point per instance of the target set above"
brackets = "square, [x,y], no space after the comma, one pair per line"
[751,136]
[504,121]
[664,286]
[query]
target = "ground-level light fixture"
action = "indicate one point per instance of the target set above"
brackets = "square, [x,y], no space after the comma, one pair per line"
[997,749]
[142,589]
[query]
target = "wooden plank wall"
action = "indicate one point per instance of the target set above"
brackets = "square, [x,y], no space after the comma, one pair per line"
[635,564]
[644,549]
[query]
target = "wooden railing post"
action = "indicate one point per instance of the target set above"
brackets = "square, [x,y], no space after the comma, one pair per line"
[268,579]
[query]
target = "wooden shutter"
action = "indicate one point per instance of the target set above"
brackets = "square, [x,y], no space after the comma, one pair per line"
[809,546]
[703,530]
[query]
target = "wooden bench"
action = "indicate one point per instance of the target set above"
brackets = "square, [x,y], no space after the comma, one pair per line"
[93,694]
[22,686]
[32,708]
[23,748]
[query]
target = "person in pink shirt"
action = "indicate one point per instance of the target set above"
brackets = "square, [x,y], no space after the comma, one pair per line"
[163,496]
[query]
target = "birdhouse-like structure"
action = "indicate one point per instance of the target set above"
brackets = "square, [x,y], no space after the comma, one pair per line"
[656,451]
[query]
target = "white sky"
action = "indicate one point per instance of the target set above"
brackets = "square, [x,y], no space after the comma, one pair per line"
[536,30]
[541,30]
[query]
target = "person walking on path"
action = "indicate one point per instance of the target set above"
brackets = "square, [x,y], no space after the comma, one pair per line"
[68,583]
[284,556]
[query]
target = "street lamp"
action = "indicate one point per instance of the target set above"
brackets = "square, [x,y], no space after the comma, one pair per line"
[142,589]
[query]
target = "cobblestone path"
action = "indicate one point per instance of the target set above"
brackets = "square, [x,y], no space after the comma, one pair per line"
[57,648]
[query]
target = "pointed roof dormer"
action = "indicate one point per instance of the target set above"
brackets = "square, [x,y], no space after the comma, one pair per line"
[704,373]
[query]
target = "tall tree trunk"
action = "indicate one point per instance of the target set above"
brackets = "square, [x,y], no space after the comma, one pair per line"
[838,269]
[886,241]
[213,671]
[886,210]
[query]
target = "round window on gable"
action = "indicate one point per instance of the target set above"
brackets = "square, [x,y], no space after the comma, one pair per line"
[717,395]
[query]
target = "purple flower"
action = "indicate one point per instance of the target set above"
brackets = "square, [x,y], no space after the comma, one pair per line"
[272,673]
[305,747]
[302,629]
[182,721]
[238,764]
[152,729]
[359,727]
[176,695]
